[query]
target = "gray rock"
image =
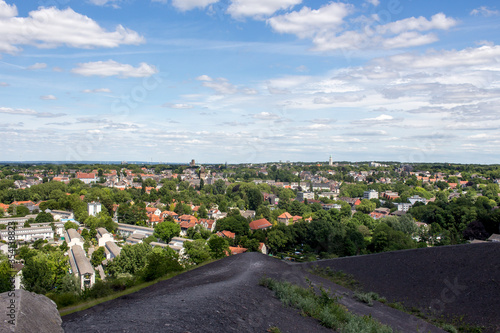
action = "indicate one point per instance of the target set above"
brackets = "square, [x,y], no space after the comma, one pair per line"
[26,312]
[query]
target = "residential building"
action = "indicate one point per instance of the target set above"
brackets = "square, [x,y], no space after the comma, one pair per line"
[261,224]
[93,208]
[103,236]
[301,196]
[416,198]
[372,194]
[73,238]
[284,218]
[81,267]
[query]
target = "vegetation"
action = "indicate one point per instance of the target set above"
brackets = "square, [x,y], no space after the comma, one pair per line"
[323,307]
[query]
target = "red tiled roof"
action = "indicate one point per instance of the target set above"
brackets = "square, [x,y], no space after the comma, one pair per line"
[285,215]
[226,234]
[260,224]
[237,250]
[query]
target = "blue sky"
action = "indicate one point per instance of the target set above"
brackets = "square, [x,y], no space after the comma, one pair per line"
[250,80]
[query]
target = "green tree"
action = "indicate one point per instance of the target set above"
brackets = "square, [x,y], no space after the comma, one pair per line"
[366,206]
[276,240]
[5,275]
[38,276]
[160,262]
[43,217]
[98,256]
[218,247]
[131,260]
[198,251]
[166,231]
[236,223]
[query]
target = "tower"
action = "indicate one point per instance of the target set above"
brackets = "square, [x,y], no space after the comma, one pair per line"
[330,160]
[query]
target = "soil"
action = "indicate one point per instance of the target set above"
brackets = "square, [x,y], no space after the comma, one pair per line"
[225,296]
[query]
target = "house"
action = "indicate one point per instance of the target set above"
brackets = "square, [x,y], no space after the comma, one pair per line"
[494,238]
[247,213]
[296,218]
[237,250]
[103,236]
[126,230]
[81,267]
[73,238]
[284,218]
[87,178]
[351,201]
[226,234]
[166,213]
[261,224]
[28,204]
[207,224]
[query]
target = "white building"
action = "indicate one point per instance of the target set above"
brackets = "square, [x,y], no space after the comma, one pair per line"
[111,250]
[403,206]
[371,194]
[74,238]
[103,236]
[81,266]
[29,234]
[416,198]
[93,208]
[305,195]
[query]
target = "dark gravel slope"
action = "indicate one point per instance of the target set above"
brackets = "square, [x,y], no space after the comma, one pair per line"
[453,281]
[224,296]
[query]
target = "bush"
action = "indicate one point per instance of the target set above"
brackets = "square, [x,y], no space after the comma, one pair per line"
[65,299]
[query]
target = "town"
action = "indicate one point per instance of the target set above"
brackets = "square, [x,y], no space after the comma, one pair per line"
[89,224]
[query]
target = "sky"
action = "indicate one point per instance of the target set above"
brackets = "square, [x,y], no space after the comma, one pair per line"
[248,81]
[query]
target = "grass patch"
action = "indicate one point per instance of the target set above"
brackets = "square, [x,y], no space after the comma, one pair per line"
[338,277]
[326,309]
[368,298]
[274,329]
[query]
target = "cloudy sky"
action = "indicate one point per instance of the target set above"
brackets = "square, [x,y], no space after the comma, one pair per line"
[250,80]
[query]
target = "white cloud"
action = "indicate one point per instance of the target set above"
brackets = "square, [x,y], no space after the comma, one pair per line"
[184,5]
[112,3]
[374,2]
[482,56]
[328,28]
[113,68]
[29,112]
[259,8]
[309,22]
[98,90]
[7,11]
[222,86]
[266,116]
[204,78]
[48,97]
[52,27]
[177,106]
[484,11]
[38,65]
